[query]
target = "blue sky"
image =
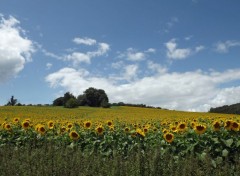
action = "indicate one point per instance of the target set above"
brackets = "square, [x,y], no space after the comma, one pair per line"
[174,54]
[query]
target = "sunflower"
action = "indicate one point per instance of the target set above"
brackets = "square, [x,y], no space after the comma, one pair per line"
[50,124]
[69,125]
[87,124]
[41,129]
[26,125]
[99,129]
[140,132]
[182,127]
[126,129]
[63,129]
[235,126]
[109,123]
[7,126]
[145,129]
[155,129]
[173,128]
[74,135]
[216,126]
[16,120]
[228,125]
[164,130]
[168,137]
[200,129]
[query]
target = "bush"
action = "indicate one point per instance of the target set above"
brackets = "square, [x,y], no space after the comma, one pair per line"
[71,103]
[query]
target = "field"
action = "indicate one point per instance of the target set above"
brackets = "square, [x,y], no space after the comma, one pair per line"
[117,141]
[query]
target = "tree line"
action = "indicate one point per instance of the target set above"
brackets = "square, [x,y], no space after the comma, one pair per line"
[227,109]
[91,97]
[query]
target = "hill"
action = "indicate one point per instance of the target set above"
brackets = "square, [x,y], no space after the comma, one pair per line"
[227,109]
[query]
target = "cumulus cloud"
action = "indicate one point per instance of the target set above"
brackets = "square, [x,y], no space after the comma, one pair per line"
[15,48]
[180,53]
[175,53]
[223,47]
[85,41]
[78,57]
[132,54]
[195,91]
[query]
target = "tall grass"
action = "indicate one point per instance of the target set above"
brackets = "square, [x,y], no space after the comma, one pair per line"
[52,159]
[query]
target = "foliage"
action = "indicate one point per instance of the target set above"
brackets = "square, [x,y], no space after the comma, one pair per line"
[228,109]
[140,141]
[71,103]
[12,102]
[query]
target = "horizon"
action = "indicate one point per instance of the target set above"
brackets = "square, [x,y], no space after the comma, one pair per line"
[169,54]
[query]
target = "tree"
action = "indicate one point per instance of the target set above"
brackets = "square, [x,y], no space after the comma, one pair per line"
[82,100]
[95,97]
[67,96]
[58,102]
[12,101]
[71,103]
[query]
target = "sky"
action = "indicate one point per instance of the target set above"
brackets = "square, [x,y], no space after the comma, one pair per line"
[182,55]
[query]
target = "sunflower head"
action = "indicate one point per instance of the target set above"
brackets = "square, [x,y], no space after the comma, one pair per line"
[41,129]
[7,126]
[74,135]
[69,125]
[87,124]
[99,129]
[235,126]
[126,129]
[182,127]
[228,124]
[200,129]
[16,120]
[25,125]
[168,137]
[109,122]
[216,126]
[50,124]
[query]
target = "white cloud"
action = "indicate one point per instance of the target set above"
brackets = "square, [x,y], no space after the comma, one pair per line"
[130,72]
[175,53]
[15,49]
[199,48]
[223,47]
[196,90]
[77,57]
[134,55]
[180,53]
[85,41]
[156,67]
[48,65]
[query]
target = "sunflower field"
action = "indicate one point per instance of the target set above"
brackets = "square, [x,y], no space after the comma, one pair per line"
[117,141]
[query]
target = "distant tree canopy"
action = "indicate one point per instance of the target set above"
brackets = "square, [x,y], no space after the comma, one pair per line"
[12,102]
[227,109]
[91,97]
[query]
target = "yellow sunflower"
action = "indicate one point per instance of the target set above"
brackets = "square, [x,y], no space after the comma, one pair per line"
[235,126]
[109,122]
[87,124]
[182,127]
[41,129]
[126,129]
[228,124]
[7,126]
[168,137]
[25,125]
[50,124]
[216,126]
[99,129]
[200,129]
[74,135]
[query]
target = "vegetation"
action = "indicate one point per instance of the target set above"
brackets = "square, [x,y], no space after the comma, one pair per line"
[91,97]
[228,109]
[117,141]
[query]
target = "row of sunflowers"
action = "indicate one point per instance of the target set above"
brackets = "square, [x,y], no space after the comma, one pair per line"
[217,136]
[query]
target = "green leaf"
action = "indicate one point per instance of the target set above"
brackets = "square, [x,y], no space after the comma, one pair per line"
[229,142]
[225,153]
[214,164]
[238,143]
